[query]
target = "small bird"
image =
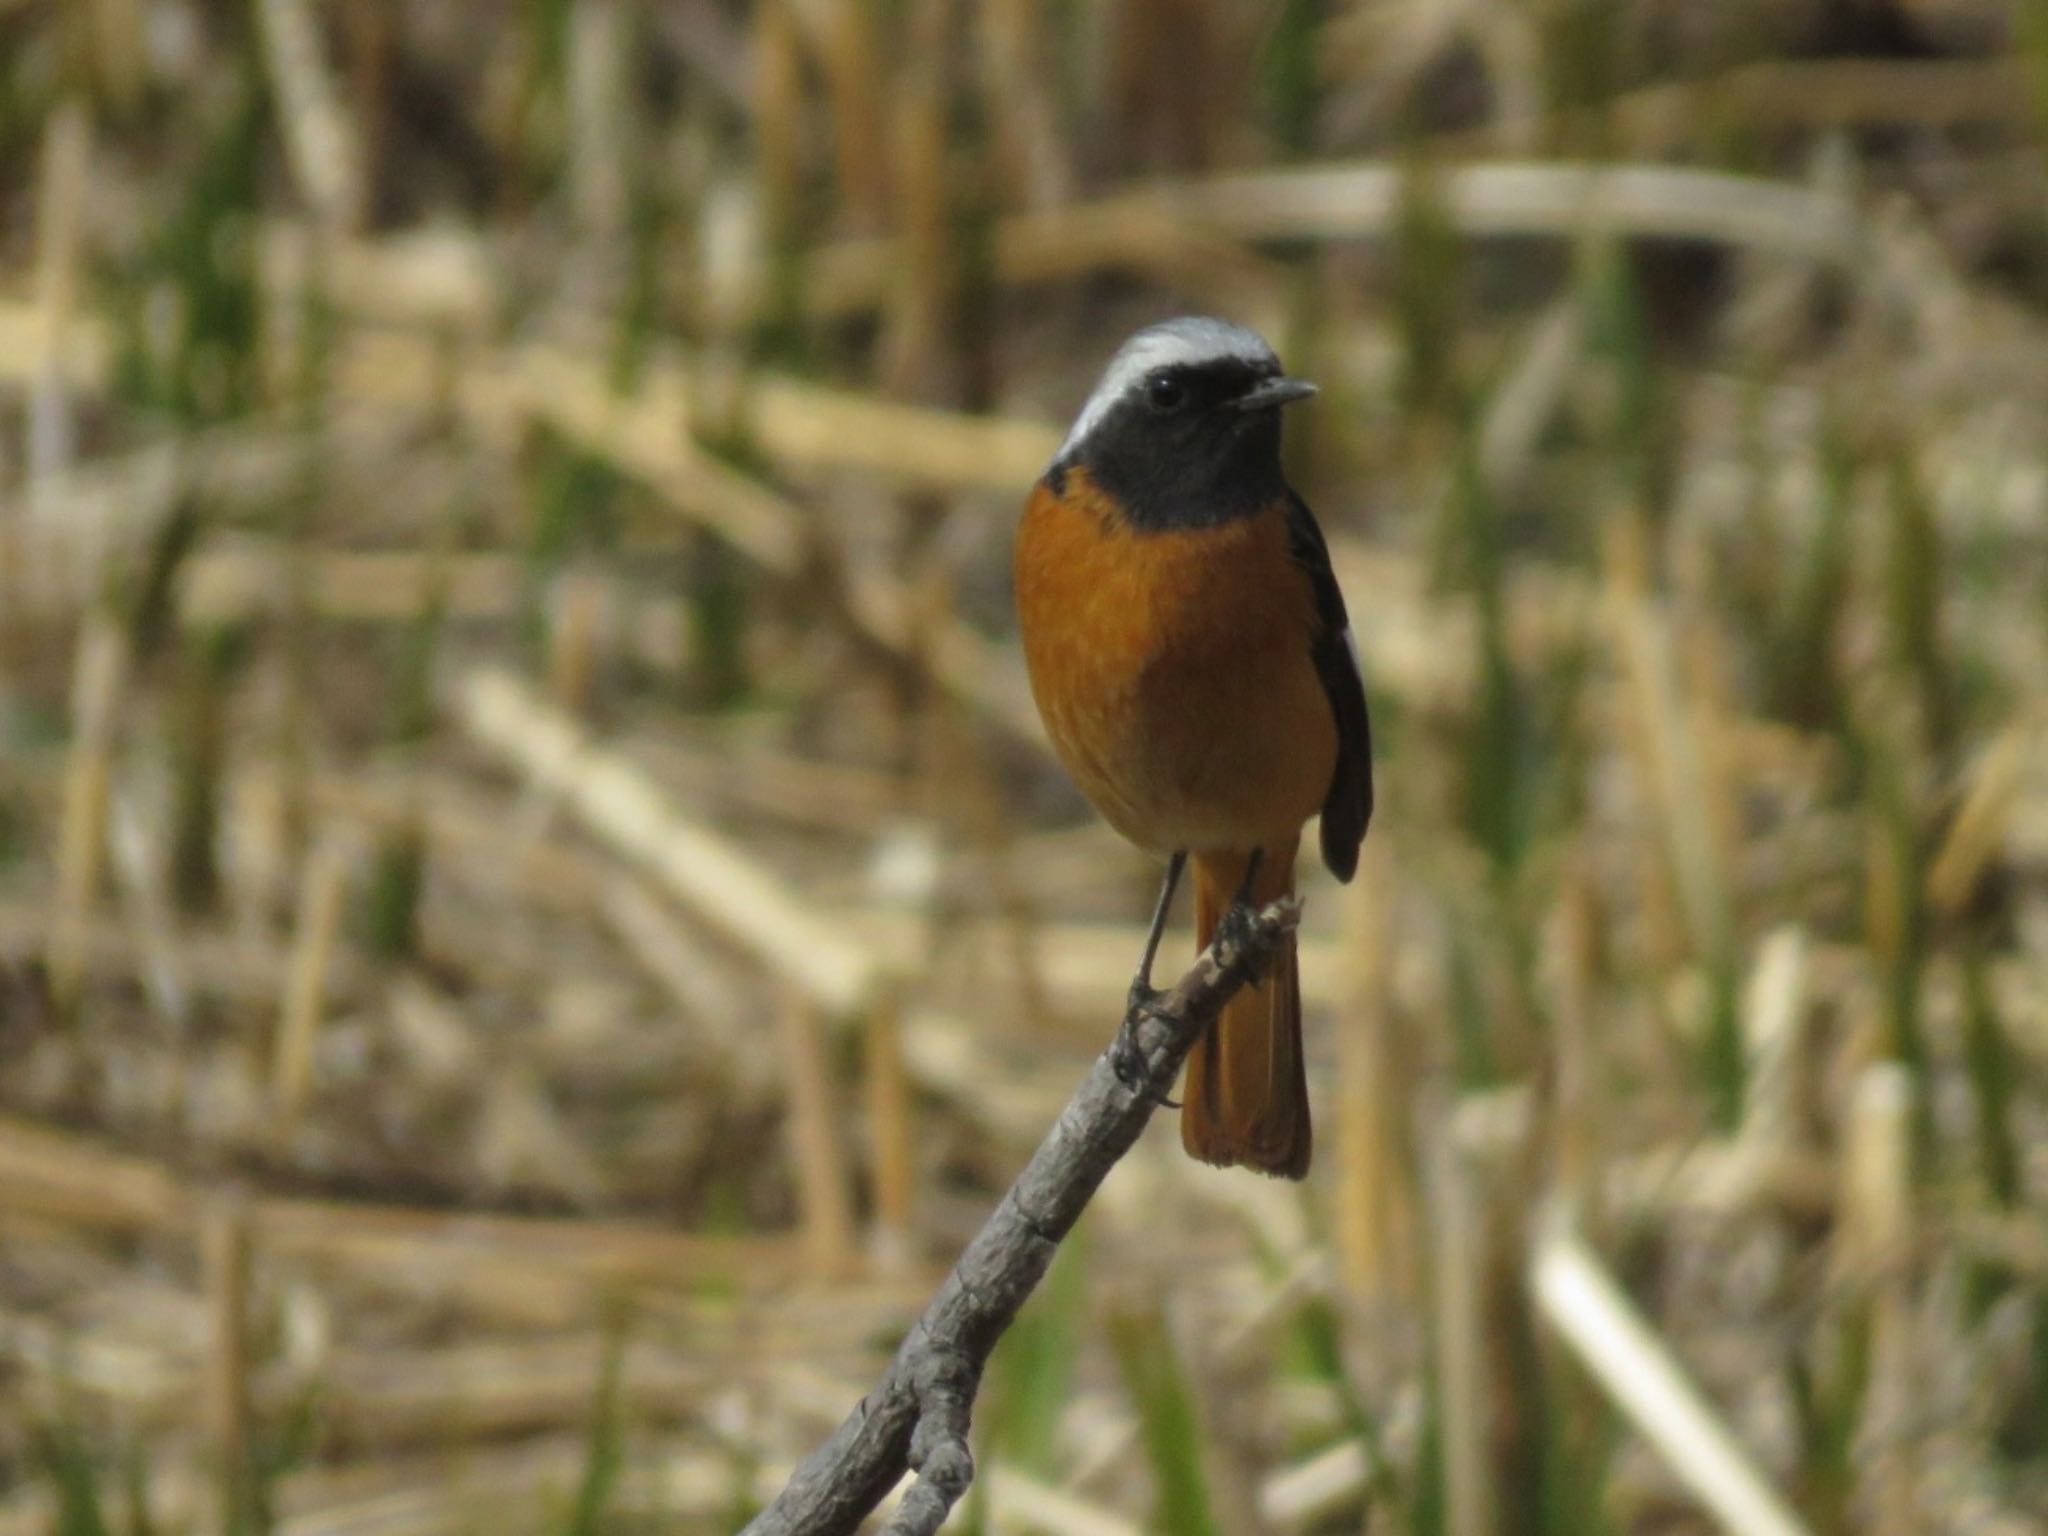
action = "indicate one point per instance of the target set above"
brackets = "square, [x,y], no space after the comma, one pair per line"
[1191,657]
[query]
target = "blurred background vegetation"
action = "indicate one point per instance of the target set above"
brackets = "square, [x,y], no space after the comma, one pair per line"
[534,913]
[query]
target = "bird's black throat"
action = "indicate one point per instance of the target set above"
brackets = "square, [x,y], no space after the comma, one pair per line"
[1208,464]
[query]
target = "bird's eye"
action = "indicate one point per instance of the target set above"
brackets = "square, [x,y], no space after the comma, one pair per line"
[1166,391]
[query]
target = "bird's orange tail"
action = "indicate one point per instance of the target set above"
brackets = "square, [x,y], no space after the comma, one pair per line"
[1245,1101]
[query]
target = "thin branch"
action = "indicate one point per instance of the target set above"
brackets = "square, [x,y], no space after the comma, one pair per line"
[917,1416]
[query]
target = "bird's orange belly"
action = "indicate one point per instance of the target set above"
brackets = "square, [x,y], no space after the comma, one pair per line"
[1173,672]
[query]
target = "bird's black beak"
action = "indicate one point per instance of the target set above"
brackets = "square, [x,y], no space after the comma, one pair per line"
[1268,393]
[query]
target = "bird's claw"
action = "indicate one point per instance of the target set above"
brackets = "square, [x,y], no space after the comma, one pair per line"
[1238,926]
[1125,1057]
[1141,997]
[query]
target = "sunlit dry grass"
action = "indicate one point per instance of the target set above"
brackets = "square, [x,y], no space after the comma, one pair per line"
[535,913]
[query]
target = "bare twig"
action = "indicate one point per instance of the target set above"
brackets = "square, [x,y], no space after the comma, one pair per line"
[917,1416]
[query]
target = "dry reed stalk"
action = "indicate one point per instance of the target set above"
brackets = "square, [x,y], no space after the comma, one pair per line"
[1386,42]
[1023,926]
[1461,1263]
[439,1492]
[922,298]
[1579,1109]
[1518,412]
[1338,202]
[1319,1489]
[1015,73]
[971,668]
[892,1130]
[688,972]
[2018,1242]
[520,1143]
[494,1389]
[1659,904]
[238,579]
[321,143]
[1925,94]
[542,869]
[1376,1220]
[1667,741]
[579,634]
[647,436]
[778,110]
[116,503]
[1975,835]
[731,892]
[1070,243]
[958,788]
[1703,678]
[139,874]
[241,969]
[948,1061]
[60,247]
[811,428]
[1616,1343]
[370,39]
[603,1254]
[817,1145]
[225,1253]
[1247,1340]
[391,1401]
[1775,1045]
[440,280]
[845,35]
[1873,1257]
[120,55]
[66,1178]
[1018,1501]
[600,95]
[99,678]
[438,1041]
[1139,228]
[317,929]
[1719,1178]
[807,427]
[1347,202]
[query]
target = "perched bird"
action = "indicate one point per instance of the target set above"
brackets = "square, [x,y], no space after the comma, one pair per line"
[1190,654]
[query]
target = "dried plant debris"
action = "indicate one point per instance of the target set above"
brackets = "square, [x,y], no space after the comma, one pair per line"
[535,915]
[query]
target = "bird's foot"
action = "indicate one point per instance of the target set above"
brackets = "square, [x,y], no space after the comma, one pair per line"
[1238,926]
[1126,1058]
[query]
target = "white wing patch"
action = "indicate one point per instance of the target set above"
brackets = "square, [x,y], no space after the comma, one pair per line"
[1188,340]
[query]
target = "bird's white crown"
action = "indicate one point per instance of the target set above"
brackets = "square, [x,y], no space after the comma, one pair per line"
[1189,340]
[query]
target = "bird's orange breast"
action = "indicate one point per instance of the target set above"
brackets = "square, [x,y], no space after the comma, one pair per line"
[1173,670]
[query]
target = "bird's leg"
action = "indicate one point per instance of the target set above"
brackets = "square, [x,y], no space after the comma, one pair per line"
[1142,991]
[1124,1053]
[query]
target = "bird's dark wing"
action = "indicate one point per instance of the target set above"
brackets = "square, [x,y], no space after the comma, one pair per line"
[1348,805]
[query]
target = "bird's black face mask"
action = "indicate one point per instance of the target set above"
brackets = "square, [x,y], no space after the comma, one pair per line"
[1191,445]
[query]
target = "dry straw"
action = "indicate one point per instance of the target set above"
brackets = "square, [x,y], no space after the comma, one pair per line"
[1617,1344]
[626,904]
